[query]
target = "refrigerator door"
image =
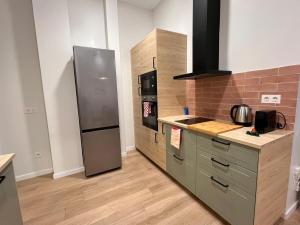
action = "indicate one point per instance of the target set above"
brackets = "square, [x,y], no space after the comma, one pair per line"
[95,76]
[101,151]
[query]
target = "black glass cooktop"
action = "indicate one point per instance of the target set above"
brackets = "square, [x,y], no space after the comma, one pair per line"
[194,120]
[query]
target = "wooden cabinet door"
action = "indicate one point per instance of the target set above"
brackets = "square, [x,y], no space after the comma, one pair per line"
[142,62]
[181,163]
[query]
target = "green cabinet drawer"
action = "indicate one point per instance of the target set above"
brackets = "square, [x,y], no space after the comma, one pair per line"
[231,203]
[241,155]
[234,174]
[181,163]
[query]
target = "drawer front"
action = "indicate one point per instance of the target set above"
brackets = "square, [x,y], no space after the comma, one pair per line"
[234,205]
[241,155]
[234,174]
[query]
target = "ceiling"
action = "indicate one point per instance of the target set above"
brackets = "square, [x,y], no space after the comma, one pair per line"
[146,4]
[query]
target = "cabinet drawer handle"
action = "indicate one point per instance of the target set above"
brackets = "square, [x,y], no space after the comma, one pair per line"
[162,128]
[220,142]
[155,138]
[176,157]
[153,63]
[218,182]
[2,178]
[213,159]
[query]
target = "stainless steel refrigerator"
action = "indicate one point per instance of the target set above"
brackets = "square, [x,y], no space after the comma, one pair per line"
[96,89]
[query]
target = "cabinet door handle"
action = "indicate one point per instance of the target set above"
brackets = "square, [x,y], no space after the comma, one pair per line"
[153,63]
[176,157]
[218,182]
[220,142]
[139,91]
[139,79]
[162,128]
[2,178]
[155,138]
[213,159]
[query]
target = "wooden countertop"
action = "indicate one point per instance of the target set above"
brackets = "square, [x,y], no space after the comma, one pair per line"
[213,127]
[236,135]
[172,119]
[240,136]
[5,160]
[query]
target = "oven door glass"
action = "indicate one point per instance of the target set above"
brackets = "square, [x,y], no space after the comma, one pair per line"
[149,114]
[149,83]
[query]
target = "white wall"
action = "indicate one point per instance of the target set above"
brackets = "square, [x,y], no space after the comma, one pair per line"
[113,42]
[131,32]
[20,87]
[177,16]
[253,35]
[259,34]
[87,23]
[55,53]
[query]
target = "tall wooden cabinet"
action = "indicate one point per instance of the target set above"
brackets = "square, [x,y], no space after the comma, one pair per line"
[167,53]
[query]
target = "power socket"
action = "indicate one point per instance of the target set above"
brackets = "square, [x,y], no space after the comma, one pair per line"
[297,178]
[271,99]
[38,155]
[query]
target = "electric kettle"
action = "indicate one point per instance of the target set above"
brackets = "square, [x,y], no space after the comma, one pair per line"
[241,115]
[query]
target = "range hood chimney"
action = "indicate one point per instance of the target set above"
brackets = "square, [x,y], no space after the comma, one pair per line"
[206,29]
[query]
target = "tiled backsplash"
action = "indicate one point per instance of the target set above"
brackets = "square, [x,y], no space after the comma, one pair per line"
[213,97]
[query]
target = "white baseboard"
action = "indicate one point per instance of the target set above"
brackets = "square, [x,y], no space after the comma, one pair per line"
[68,172]
[34,174]
[130,148]
[290,210]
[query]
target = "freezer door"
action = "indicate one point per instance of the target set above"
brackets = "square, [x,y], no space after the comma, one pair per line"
[101,150]
[96,84]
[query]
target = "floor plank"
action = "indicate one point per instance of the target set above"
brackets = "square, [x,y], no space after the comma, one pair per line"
[139,194]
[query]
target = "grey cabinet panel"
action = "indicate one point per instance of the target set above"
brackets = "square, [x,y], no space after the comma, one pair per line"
[234,205]
[234,174]
[10,213]
[181,164]
[232,152]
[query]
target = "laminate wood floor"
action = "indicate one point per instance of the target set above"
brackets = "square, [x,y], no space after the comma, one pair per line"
[139,193]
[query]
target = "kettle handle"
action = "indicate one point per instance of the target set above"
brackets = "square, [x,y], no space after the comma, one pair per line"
[232,112]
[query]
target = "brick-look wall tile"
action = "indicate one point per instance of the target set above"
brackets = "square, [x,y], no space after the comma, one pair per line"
[213,97]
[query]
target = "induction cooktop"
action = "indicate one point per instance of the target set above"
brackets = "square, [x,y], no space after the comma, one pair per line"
[195,120]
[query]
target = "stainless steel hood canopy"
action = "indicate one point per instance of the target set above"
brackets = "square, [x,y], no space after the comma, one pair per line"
[206,29]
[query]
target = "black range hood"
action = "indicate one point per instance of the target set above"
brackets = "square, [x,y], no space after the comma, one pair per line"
[206,29]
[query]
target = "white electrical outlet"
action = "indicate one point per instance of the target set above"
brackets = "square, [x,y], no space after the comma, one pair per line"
[38,155]
[297,178]
[271,99]
[30,110]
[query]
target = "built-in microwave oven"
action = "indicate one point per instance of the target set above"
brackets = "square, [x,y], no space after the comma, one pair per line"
[148,83]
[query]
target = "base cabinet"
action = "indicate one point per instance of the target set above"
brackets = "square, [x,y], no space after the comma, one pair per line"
[239,183]
[181,163]
[10,213]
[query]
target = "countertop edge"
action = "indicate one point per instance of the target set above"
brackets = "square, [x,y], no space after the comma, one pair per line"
[5,160]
